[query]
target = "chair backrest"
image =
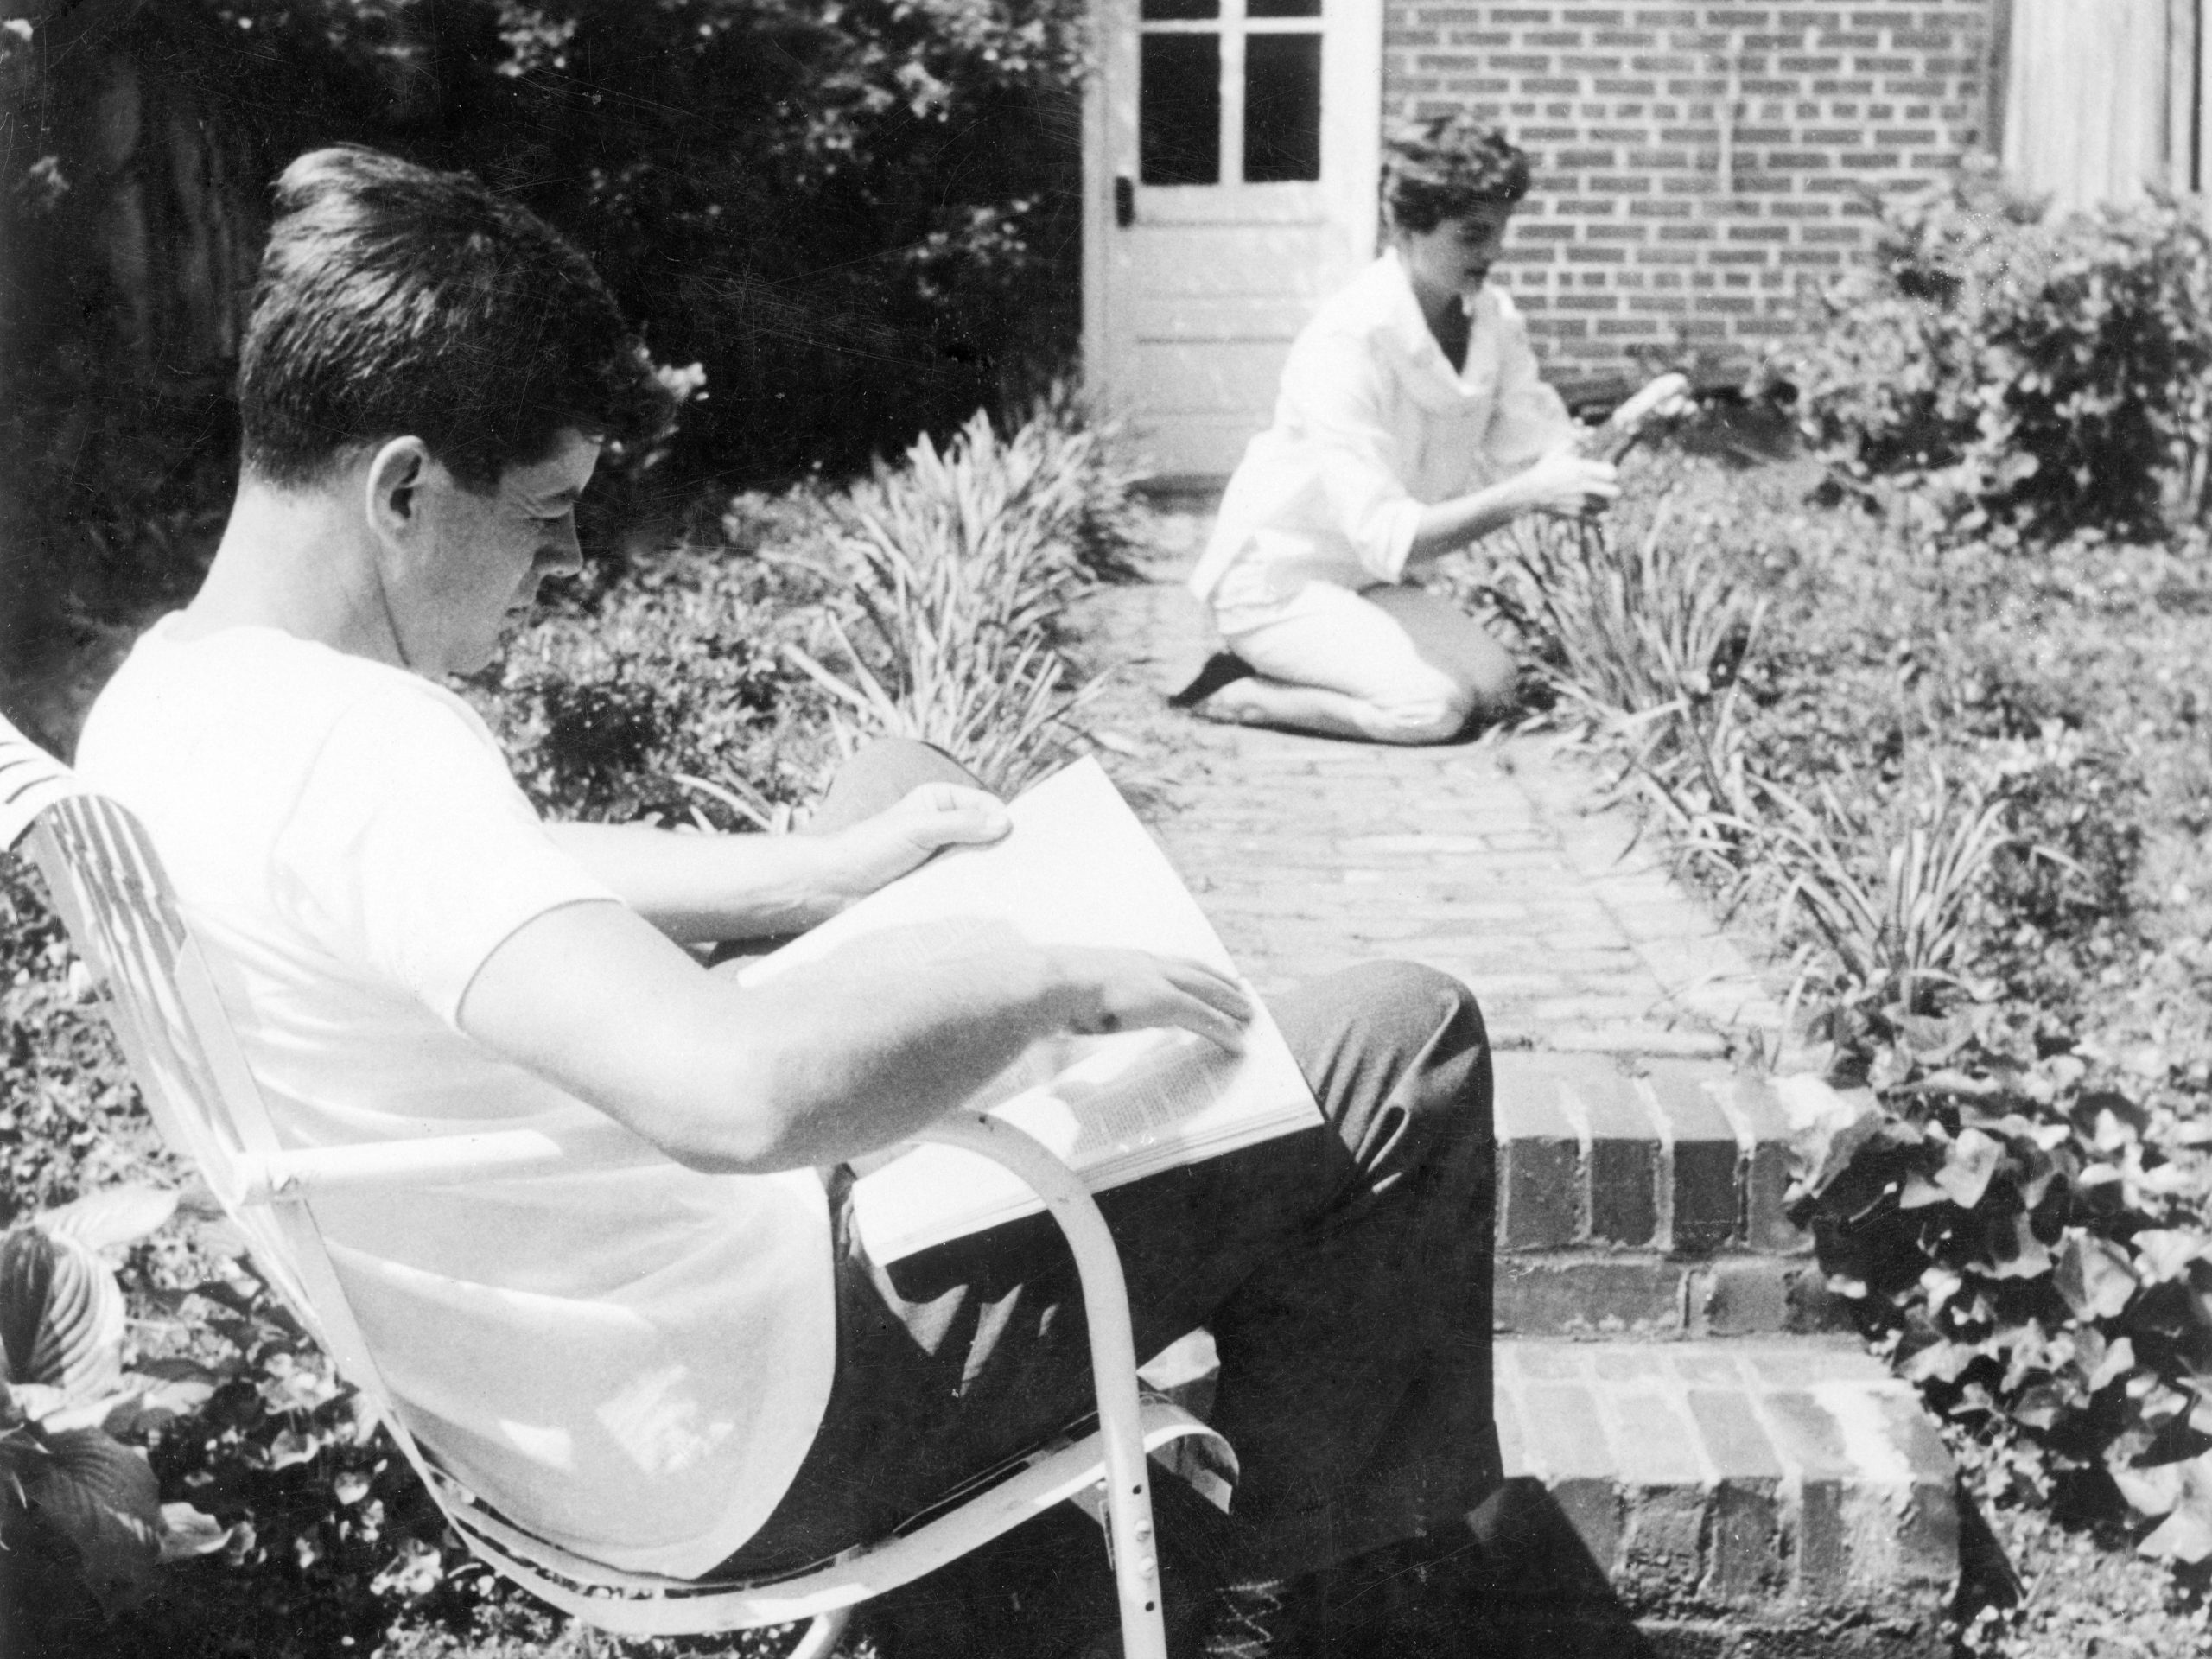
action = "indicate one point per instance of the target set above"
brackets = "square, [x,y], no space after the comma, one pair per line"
[160,996]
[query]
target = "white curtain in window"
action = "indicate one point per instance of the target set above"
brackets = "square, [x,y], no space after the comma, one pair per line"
[2098,98]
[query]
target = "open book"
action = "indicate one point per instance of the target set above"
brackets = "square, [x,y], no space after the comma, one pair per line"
[1077,868]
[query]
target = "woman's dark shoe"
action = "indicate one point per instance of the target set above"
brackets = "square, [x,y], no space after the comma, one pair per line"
[1223,668]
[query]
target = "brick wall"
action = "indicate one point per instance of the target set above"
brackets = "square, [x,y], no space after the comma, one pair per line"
[1697,165]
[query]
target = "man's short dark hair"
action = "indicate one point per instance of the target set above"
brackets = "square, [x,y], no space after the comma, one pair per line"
[1445,167]
[398,302]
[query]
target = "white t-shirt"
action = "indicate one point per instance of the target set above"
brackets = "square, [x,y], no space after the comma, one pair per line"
[631,1362]
[1372,424]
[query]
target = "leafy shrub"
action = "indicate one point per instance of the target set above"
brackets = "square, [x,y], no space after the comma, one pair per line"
[856,220]
[952,573]
[646,674]
[2024,375]
[70,1119]
[2080,804]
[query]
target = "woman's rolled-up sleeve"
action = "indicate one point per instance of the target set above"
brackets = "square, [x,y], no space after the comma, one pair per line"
[1333,386]
[1531,419]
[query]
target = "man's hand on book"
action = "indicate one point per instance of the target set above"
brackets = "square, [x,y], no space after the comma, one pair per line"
[1132,990]
[880,849]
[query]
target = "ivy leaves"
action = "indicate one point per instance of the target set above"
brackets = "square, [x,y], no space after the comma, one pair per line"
[2032,1252]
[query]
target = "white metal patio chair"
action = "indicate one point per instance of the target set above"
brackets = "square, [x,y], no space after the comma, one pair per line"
[122,913]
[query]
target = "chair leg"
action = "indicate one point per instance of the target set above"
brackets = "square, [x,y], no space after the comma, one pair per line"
[1113,1363]
[822,1636]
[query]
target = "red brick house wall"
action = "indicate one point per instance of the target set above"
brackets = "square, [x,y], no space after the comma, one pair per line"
[1697,165]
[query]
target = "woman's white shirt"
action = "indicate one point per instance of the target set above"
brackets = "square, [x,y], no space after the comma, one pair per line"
[1373,424]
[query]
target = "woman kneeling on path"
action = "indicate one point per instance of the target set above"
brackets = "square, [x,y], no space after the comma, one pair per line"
[1411,422]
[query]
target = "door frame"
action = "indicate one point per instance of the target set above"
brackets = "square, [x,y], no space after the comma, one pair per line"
[1353,130]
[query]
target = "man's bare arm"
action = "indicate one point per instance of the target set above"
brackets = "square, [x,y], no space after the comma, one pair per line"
[703,888]
[828,1061]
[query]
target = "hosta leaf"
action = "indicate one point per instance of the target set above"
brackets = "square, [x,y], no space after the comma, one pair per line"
[117,1215]
[2164,1253]
[2030,1257]
[291,1446]
[2151,1491]
[2039,1406]
[2185,1535]
[186,1531]
[154,1403]
[1919,1192]
[104,1498]
[1967,1166]
[2094,1277]
[80,1345]
[26,1279]
[1939,1360]
[2117,1360]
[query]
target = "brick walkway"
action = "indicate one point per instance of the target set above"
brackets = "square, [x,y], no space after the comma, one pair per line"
[1680,1413]
[1490,860]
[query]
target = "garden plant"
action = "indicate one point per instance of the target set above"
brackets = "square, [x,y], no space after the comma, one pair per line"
[1936,722]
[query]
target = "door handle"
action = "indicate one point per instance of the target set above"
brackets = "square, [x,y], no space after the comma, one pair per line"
[1125,201]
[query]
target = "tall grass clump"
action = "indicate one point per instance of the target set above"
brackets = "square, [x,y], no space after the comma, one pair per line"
[1642,635]
[948,577]
[1894,902]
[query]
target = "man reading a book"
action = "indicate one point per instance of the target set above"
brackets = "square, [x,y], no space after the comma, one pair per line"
[693,1365]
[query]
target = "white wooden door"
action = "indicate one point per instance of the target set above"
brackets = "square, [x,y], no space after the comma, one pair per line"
[1230,156]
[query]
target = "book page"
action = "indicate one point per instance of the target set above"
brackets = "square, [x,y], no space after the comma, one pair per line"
[1077,868]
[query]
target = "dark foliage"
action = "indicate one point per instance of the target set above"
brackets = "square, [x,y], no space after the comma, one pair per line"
[2022,373]
[857,217]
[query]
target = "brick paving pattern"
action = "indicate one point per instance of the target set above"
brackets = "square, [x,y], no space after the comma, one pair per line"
[1487,860]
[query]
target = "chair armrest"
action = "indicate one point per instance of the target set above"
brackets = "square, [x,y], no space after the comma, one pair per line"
[439,1160]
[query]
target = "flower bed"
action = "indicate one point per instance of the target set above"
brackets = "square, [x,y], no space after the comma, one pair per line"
[1967,789]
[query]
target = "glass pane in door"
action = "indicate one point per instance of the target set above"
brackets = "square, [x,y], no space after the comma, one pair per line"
[1179,108]
[1282,108]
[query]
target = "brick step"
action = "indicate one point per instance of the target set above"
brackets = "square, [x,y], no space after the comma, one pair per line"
[1775,1495]
[1642,1293]
[1745,1497]
[1685,1158]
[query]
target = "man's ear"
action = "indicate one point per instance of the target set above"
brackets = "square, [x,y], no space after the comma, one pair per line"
[393,487]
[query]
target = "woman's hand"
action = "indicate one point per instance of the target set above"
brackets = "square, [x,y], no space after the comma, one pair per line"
[1665,399]
[1568,483]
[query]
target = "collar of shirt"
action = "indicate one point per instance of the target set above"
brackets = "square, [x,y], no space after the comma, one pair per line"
[1429,376]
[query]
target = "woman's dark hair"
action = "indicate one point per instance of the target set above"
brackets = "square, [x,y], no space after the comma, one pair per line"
[397,301]
[1444,166]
